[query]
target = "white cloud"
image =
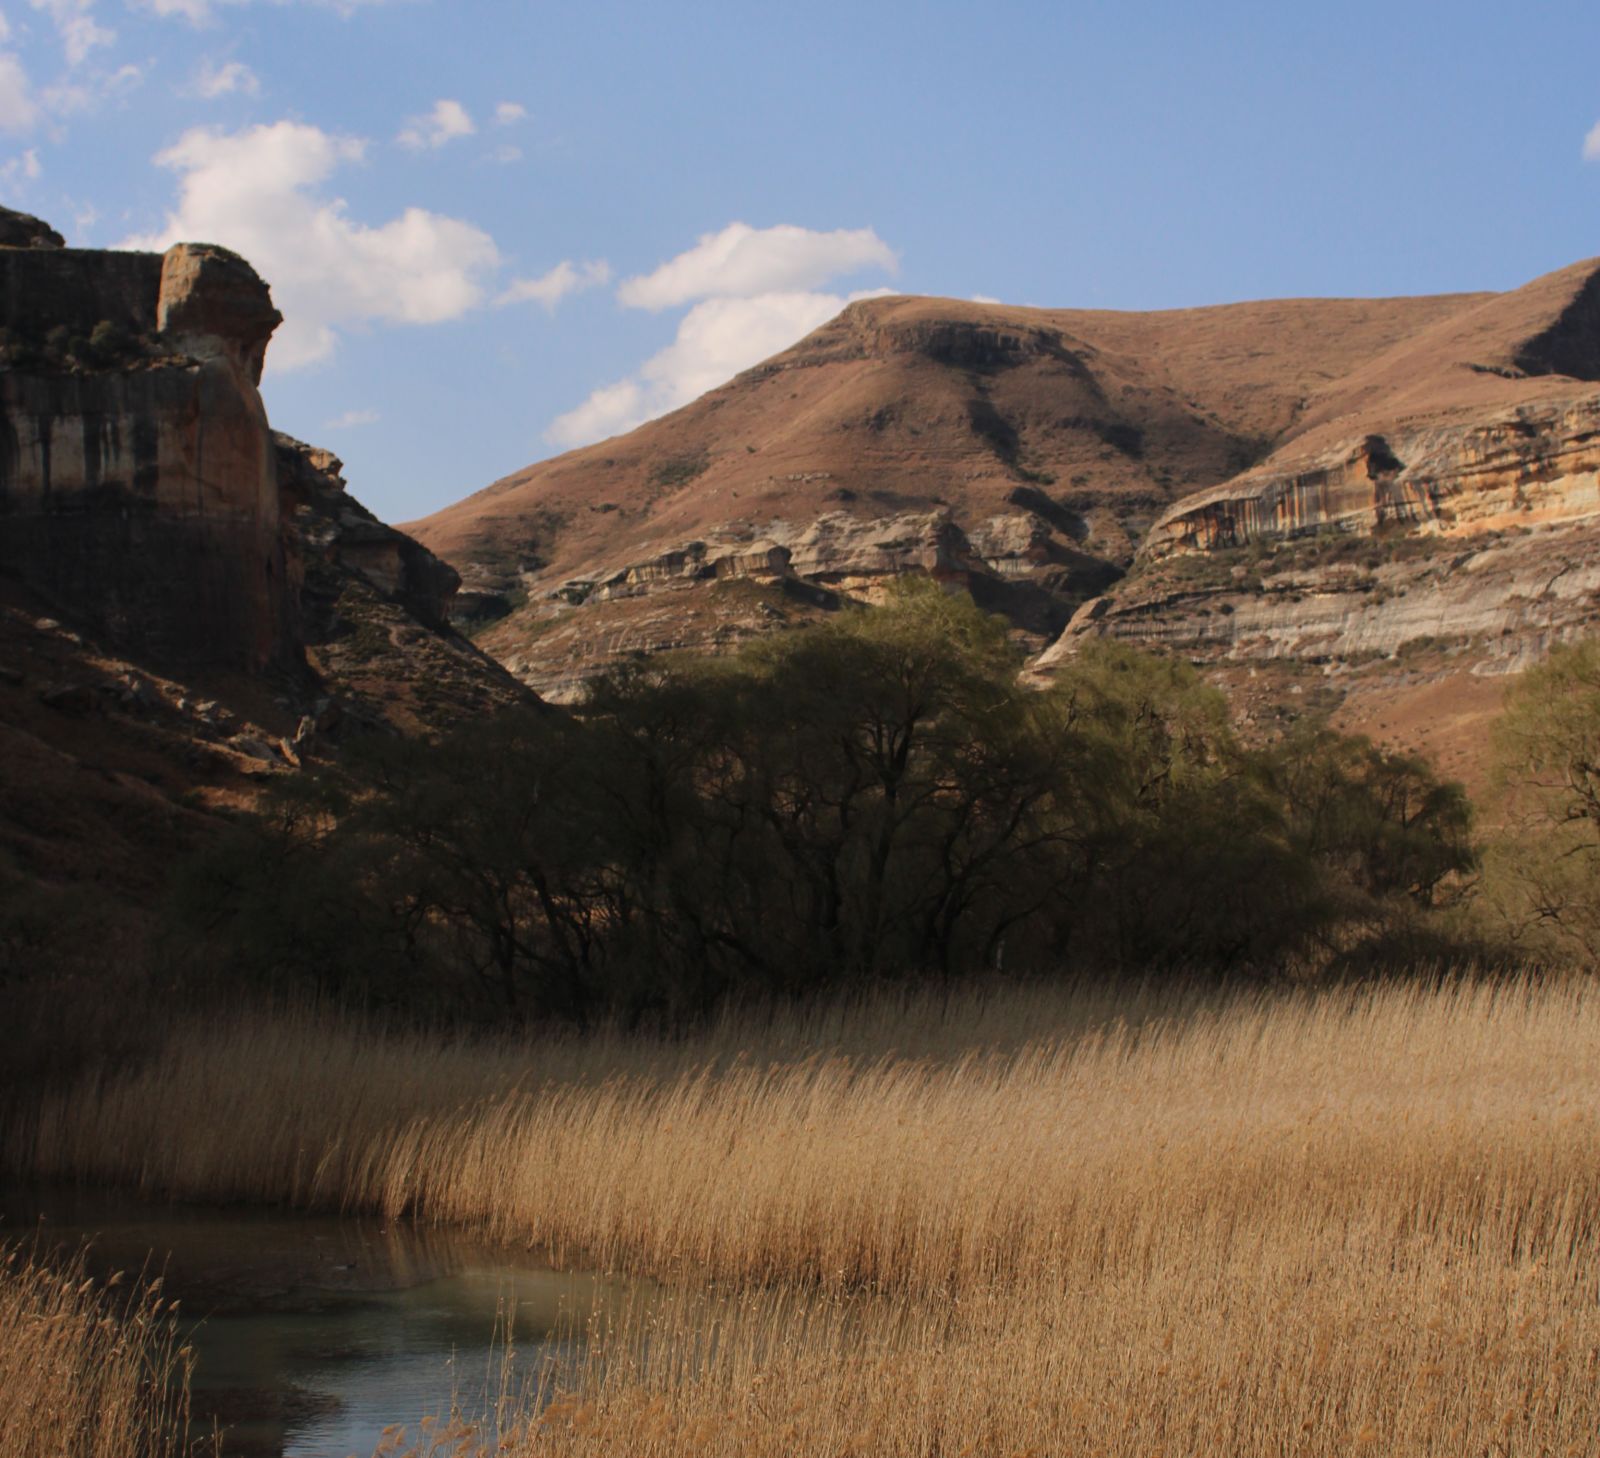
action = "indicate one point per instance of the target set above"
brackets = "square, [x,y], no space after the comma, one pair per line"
[508,112]
[550,288]
[984,299]
[18,111]
[258,192]
[447,121]
[352,419]
[743,262]
[74,20]
[212,81]
[610,410]
[757,293]
[1591,145]
[505,156]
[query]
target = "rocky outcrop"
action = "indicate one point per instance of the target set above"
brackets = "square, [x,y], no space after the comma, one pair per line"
[1489,604]
[373,608]
[138,483]
[23,230]
[1532,463]
[213,304]
[331,528]
[145,499]
[1024,566]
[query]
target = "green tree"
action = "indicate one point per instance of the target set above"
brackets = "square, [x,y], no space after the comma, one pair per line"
[1191,864]
[869,796]
[1543,874]
[1382,822]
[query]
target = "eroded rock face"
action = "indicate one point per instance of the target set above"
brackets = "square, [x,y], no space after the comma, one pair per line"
[138,482]
[1492,603]
[1533,463]
[1023,566]
[212,300]
[331,527]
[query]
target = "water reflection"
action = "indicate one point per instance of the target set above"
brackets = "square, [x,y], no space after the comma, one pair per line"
[313,1334]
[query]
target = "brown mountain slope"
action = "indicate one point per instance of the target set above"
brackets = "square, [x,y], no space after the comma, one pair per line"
[1021,451]
[1034,455]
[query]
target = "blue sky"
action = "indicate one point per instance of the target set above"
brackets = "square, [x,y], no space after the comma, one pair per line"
[502,229]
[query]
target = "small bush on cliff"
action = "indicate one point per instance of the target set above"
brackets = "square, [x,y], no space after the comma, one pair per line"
[110,344]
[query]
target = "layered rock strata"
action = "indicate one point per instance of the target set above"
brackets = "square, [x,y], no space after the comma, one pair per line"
[1530,464]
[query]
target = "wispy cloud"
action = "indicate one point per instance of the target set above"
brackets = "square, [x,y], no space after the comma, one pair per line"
[445,123]
[1591,144]
[79,92]
[80,32]
[202,12]
[508,112]
[19,171]
[18,109]
[550,288]
[352,420]
[212,80]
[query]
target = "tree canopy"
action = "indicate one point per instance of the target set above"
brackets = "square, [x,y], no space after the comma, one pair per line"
[874,798]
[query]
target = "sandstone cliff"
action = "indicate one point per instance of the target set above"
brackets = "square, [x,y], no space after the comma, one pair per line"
[1432,520]
[1481,431]
[144,497]
[138,488]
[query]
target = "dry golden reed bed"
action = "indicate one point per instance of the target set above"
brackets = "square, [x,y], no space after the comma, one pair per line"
[1044,1221]
[83,1375]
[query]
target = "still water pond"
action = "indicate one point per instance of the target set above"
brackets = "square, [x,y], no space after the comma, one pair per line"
[313,1334]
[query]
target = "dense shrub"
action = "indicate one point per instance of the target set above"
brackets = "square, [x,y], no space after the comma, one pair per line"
[872,799]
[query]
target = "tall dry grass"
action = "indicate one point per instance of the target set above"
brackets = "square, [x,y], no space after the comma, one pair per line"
[1035,1221]
[83,1375]
[1322,1349]
[1025,1135]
